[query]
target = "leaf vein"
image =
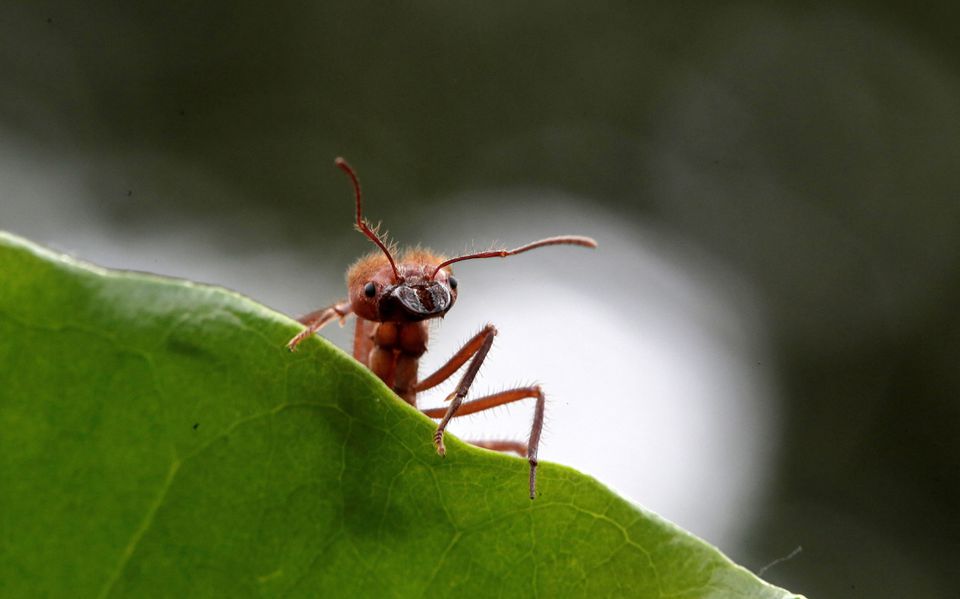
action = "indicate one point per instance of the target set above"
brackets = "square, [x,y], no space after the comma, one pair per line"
[142,529]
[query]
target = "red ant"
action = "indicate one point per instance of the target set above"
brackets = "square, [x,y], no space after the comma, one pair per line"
[393,300]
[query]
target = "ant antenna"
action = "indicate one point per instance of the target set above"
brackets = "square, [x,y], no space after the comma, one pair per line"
[561,240]
[362,225]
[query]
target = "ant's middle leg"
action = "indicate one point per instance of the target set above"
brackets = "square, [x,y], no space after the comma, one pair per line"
[476,350]
[492,401]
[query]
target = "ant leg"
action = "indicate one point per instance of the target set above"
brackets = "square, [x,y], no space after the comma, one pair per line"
[460,358]
[492,401]
[462,387]
[502,445]
[317,319]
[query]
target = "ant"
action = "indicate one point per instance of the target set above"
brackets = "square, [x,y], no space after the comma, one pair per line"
[393,300]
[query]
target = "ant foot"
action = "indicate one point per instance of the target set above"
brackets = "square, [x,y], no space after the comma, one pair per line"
[438,443]
[293,343]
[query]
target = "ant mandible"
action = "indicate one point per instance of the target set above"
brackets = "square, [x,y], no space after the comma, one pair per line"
[392,301]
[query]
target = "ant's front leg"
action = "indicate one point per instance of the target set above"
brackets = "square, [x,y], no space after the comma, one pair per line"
[476,351]
[492,401]
[460,358]
[317,319]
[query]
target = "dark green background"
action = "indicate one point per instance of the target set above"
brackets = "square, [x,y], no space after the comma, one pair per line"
[811,147]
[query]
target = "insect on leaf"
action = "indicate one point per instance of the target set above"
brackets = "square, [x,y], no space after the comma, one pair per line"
[158,440]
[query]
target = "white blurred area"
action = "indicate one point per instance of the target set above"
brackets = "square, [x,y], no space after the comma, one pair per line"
[652,356]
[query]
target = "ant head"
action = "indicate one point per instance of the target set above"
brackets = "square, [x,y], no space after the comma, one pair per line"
[376,295]
[422,286]
[382,291]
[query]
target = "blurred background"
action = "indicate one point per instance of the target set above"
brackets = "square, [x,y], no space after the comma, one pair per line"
[764,347]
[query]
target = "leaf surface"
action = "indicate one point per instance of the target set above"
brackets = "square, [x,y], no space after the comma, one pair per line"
[158,440]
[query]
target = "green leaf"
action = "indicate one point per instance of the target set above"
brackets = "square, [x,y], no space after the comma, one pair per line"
[157,439]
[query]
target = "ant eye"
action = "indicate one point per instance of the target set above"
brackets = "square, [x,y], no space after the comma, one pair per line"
[453,283]
[370,289]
